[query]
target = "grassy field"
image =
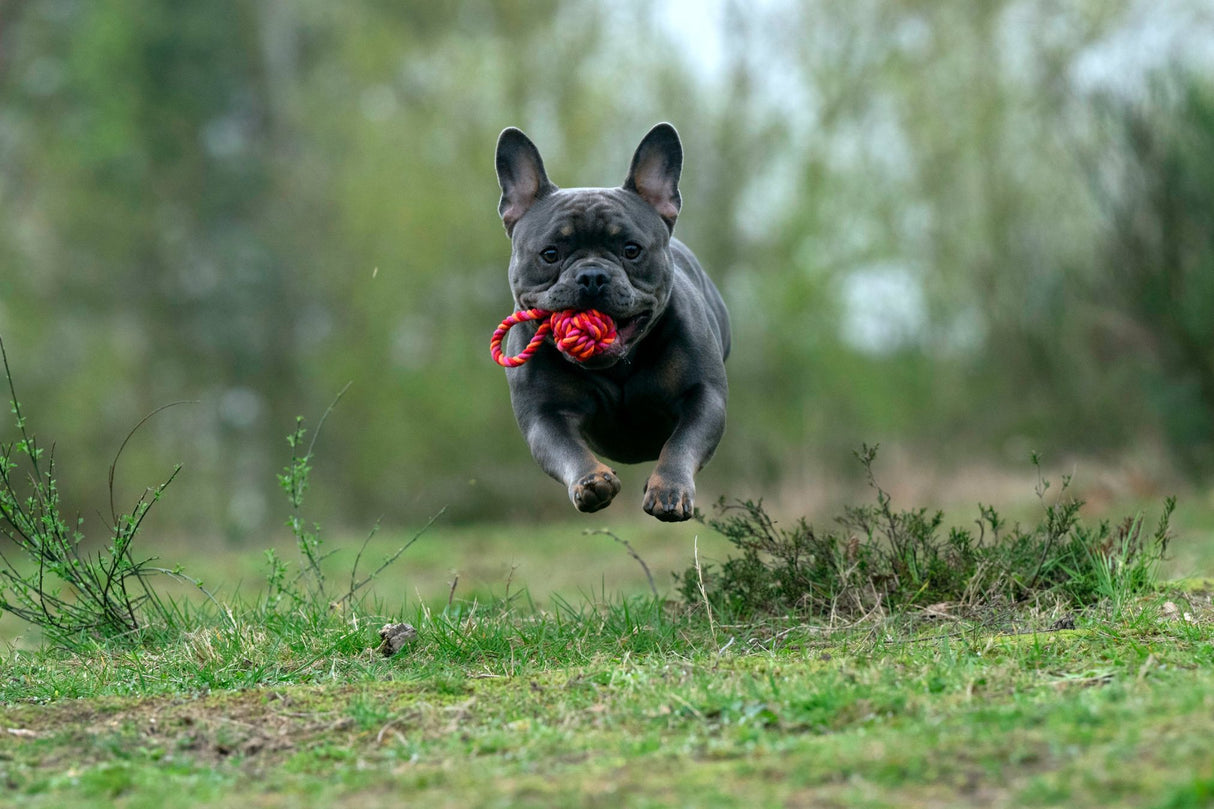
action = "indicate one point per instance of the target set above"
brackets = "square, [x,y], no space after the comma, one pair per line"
[552,677]
[890,659]
[625,704]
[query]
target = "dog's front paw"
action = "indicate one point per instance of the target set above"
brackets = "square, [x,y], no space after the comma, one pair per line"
[596,490]
[669,500]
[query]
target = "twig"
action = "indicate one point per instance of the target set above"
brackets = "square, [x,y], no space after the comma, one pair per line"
[712,624]
[358,557]
[379,737]
[509,581]
[179,576]
[354,588]
[325,415]
[122,446]
[631,552]
[12,388]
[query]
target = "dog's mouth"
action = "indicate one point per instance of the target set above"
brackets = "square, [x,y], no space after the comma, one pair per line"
[628,331]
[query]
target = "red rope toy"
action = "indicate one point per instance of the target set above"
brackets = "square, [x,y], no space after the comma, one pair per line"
[579,334]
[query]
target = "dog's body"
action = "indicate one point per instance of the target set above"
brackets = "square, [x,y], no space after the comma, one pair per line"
[659,391]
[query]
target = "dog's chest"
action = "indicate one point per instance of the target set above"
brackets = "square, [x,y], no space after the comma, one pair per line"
[630,423]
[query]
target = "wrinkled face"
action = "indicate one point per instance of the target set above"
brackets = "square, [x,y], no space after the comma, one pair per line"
[597,248]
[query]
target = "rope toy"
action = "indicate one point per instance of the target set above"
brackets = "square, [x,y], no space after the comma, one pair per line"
[578,334]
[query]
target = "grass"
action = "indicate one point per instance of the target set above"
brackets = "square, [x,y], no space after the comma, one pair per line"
[623,701]
[628,703]
[1066,677]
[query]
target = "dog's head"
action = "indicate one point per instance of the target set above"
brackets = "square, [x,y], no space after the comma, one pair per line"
[593,248]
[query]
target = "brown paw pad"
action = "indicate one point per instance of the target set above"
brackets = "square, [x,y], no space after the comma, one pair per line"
[595,491]
[668,501]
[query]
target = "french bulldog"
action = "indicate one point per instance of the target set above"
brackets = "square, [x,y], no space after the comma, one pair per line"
[659,391]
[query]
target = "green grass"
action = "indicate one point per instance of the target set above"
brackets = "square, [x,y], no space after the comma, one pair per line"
[934,667]
[628,703]
[551,677]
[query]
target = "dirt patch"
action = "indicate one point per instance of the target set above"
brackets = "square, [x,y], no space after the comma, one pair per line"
[250,729]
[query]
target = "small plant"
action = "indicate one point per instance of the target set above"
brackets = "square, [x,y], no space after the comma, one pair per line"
[309,584]
[74,595]
[309,588]
[882,559]
[108,593]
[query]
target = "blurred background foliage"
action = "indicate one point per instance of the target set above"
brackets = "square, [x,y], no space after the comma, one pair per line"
[966,229]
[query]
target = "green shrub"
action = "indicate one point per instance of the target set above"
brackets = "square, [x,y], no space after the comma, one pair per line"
[73,595]
[880,559]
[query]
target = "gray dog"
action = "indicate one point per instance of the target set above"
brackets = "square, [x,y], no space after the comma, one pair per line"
[659,391]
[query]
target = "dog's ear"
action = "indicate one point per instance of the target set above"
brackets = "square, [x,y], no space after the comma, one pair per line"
[655,171]
[520,173]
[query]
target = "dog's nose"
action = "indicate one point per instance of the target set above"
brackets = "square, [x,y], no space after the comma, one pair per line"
[592,280]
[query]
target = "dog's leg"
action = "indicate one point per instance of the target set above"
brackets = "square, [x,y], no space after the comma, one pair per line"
[558,447]
[671,489]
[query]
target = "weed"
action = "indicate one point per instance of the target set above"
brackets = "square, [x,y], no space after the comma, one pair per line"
[653,588]
[308,589]
[881,559]
[108,593]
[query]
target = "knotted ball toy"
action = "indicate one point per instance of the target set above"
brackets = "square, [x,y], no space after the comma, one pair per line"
[580,334]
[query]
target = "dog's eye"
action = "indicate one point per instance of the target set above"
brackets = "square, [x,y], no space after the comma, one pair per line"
[550,254]
[632,250]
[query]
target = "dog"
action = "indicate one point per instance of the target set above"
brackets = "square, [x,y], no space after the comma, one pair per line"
[659,391]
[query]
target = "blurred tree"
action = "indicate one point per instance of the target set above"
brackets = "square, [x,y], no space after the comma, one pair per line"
[1157,267]
[938,228]
[146,199]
